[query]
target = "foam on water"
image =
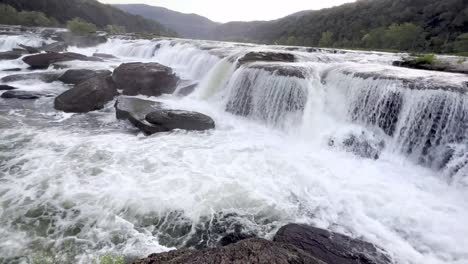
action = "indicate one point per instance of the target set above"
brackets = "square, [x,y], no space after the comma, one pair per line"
[75,187]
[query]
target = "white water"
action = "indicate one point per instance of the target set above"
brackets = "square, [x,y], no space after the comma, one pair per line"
[80,186]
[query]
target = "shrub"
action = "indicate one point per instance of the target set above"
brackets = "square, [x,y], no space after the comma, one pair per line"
[81,27]
[426,59]
[115,30]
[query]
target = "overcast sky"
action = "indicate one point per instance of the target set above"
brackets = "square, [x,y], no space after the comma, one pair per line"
[237,10]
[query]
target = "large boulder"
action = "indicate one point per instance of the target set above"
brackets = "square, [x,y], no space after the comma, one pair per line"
[87,96]
[178,119]
[24,95]
[47,77]
[152,79]
[331,248]
[44,60]
[252,251]
[135,111]
[76,76]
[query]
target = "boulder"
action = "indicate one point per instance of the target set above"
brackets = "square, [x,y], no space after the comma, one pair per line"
[135,111]
[58,46]
[47,77]
[44,60]
[329,247]
[104,56]
[87,96]
[24,95]
[76,76]
[266,56]
[178,119]
[11,55]
[252,251]
[360,143]
[184,91]
[29,49]
[152,79]
[4,87]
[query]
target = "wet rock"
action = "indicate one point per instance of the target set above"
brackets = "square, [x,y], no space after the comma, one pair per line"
[152,79]
[266,56]
[58,46]
[104,56]
[87,96]
[6,87]
[184,91]
[178,119]
[233,238]
[362,144]
[47,77]
[43,61]
[11,55]
[135,111]
[331,248]
[12,70]
[29,49]
[253,251]
[24,95]
[76,76]
[282,70]
[437,65]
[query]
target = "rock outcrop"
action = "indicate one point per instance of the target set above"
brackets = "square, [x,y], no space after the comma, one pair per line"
[44,60]
[266,56]
[135,110]
[87,96]
[169,120]
[24,95]
[76,76]
[152,79]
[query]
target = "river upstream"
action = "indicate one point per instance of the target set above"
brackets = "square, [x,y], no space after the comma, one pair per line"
[74,187]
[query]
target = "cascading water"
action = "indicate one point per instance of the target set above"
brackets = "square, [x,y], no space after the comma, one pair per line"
[76,187]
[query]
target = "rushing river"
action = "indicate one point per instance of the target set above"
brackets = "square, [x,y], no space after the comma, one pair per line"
[74,187]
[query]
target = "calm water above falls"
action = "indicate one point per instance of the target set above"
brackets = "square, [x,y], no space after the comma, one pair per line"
[80,186]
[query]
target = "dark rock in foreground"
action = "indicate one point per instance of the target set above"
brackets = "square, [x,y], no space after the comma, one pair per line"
[87,96]
[4,87]
[253,251]
[135,111]
[152,79]
[178,119]
[47,77]
[331,248]
[80,75]
[266,56]
[24,95]
[293,243]
[43,61]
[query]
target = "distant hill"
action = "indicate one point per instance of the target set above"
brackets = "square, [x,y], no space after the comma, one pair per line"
[186,25]
[92,11]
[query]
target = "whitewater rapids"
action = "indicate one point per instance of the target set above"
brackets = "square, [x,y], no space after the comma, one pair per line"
[76,187]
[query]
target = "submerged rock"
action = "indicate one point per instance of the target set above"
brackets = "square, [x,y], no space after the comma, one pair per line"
[47,77]
[184,91]
[177,119]
[361,144]
[329,247]
[152,79]
[11,55]
[76,76]
[43,61]
[104,56]
[266,56]
[12,69]
[24,95]
[4,87]
[87,96]
[253,251]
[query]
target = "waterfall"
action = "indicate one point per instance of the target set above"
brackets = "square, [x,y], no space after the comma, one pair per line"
[8,43]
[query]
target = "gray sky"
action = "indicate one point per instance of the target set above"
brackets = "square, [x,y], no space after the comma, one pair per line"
[237,10]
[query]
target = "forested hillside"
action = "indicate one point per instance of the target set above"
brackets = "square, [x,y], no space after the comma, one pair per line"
[186,25]
[416,25]
[89,10]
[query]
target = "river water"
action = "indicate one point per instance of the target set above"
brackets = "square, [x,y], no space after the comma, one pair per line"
[74,187]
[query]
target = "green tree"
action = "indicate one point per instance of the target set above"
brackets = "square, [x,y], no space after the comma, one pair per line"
[115,30]
[406,36]
[81,27]
[33,18]
[461,43]
[292,41]
[8,15]
[326,40]
[375,38]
